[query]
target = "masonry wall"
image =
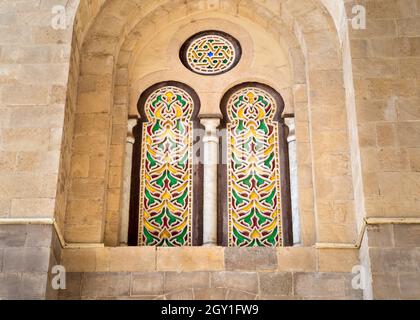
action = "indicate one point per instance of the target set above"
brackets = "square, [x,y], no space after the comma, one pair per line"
[210,273]
[27,253]
[386,68]
[356,101]
[394,252]
[34,64]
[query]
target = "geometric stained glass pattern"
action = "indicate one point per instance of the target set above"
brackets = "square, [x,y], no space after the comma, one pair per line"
[166,170]
[211,53]
[254,191]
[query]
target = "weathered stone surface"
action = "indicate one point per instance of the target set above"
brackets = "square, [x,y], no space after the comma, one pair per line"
[10,285]
[39,236]
[141,259]
[190,259]
[385,286]
[250,259]
[276,284]
[12,236]
[1,259]
[147,284]
[186,280]
[381,235]
[297,259]
[407,235]
[322,285]
[79,260]
[390,260]
[330,260]
[73,286]
[34,285]
[210,294]
[240,295]
[26,259]
[409,286]
[181,295]
[242,281]
[105,284]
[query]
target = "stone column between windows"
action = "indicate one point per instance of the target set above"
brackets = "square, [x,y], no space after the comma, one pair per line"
[210,163]
[291,140]
[128,161]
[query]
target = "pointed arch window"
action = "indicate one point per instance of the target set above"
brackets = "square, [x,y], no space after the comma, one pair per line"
[257,210]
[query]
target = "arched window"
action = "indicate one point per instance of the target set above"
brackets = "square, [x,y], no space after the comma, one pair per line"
[256,209]
[167,211]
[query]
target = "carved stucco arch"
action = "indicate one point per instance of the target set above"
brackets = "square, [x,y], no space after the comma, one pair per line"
[304,27]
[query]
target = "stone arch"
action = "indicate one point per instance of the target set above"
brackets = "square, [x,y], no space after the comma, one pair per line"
[308,32]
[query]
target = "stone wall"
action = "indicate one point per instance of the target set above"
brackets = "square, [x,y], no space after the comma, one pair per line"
[26,257]
[386,67]
[210,273]
[394,252]
[229,285]
[65,96]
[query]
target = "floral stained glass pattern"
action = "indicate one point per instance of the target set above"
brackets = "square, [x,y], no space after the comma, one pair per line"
[254,193]
[166,170]
[211,53]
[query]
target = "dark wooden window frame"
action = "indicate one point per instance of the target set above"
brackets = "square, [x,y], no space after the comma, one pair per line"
[197,215]
[284,166]
[236,44]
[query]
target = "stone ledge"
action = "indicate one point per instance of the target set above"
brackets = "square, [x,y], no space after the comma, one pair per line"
[150,259]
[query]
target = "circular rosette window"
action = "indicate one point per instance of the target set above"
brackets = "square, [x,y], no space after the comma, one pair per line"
[211,53]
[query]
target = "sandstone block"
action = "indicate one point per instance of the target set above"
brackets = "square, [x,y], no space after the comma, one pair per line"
[39,236]
[276,284]
[26,259]
[410,285]
[73,286]
[132,259]
[407,235]
[210,294]
[79,260]
[12,236]
[38,208]
[34,285]
[385,286]
[147,284]
[181,295]
[240,295]
[10,285]
[331,260]
[105,284]
[190,259]
[242,281]
[250,259]
[380,235]
[390,260]
[297,259]
[175,281]
[319,285]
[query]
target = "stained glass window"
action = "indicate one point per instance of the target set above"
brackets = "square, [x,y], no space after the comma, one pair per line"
[253,170]
[166,182]
[211,53]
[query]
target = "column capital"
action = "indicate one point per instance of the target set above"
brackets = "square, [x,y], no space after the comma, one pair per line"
[210,123]
[132,122]
[291,124]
